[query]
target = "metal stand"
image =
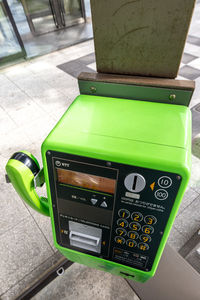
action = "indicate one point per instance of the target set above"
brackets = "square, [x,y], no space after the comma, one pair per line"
[175,279]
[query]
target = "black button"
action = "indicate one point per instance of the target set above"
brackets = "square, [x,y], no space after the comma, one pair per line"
[137,216]
[148,229]
[131,243]
[143,246]
[121,231]
[150,220]
[119,240]
[133,235]
[135,226]
[122,223]
[145,238]
[124,213]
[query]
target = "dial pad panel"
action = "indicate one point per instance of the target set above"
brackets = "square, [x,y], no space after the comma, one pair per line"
[141,229]
[130,204]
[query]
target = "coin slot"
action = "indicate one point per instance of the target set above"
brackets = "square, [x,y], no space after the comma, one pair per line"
[126,274]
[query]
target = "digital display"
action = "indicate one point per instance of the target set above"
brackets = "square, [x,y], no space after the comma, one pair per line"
[87,181]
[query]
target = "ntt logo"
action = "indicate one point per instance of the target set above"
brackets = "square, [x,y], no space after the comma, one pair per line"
[57,163]
[61,164]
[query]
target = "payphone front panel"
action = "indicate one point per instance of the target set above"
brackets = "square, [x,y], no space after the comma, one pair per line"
[109,210]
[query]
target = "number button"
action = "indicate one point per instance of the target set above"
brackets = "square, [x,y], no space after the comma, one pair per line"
[122,223]
[133,235]
[148,229]
[143,246]
[131,243]
[121,232]
[161,194]
[145,238]
[124,213]
[119,240]
[136,216]
[150,220]
[135,226]
[164,182]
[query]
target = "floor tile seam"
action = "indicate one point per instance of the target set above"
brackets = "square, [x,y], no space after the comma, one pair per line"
[27,274]
[17,85]
[26,67]
[195,191]
[57,89]
[30,98]
[5,111]
[12,227]
[184,235]
[40,106]
[188,205]
[17,125]
[40,228]
[25,92]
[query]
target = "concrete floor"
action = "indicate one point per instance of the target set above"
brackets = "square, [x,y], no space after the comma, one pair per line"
[33,96]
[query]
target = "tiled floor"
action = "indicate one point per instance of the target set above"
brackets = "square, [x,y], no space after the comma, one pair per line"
[33,96]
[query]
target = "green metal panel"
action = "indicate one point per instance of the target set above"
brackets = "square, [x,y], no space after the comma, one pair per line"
[144,93]
[151,135]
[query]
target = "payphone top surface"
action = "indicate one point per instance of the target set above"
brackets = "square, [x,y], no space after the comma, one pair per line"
[115,177]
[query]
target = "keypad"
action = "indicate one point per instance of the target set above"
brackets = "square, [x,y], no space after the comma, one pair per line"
[138,232]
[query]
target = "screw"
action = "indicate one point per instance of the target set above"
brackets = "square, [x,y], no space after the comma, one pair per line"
[48,152]
[178,177]
[172,97]
[161,233]
[93,89]
[108,163]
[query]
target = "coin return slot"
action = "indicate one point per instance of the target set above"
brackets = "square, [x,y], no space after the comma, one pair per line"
[85,237]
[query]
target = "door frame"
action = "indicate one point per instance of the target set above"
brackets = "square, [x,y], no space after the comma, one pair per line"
[22,53]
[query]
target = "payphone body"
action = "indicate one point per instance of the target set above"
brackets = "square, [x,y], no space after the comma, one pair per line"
[116,171]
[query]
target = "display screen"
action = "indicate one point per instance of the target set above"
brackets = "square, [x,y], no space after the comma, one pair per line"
[88,181]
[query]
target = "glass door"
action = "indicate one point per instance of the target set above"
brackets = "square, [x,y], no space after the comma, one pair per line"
[11,45]
[50,15]
[73,11]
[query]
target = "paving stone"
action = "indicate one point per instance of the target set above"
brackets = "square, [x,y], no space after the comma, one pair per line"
[30,278]
[176,240]
[44,224]
[195,174]
[80,283]
[12,209]
[188,197]
[22,249]
[13,141]
[188,222]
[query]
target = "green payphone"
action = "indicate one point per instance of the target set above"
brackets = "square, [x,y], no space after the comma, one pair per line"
[116,166]
[116,170]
